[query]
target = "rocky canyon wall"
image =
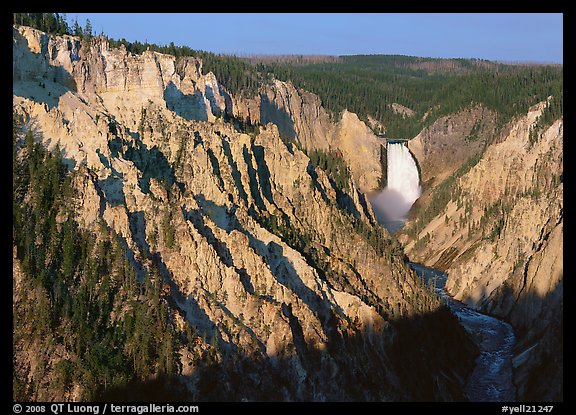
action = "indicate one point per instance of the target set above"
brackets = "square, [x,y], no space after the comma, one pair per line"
[500,238]
[290,288]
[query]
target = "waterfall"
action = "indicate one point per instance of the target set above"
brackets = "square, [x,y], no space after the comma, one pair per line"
[392,204]
[403,173]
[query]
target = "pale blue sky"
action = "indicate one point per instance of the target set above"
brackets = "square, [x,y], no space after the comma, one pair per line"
[534,37]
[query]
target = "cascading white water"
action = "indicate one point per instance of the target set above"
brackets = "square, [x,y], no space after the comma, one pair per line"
[403,188]
[403,173]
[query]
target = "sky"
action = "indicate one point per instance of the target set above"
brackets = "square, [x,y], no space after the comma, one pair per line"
[511,37]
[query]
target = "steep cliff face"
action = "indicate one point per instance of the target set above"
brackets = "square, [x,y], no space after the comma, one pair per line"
[122,84]
[443,151]
[301,117]
[278,284]
[444,146]
[114,80]
[500,240]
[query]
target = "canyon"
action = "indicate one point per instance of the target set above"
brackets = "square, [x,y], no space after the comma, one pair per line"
[277,283]
[499,239]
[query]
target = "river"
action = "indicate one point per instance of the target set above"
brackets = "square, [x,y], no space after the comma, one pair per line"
[491,379]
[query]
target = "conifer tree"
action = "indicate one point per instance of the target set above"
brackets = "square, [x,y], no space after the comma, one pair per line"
[88,29]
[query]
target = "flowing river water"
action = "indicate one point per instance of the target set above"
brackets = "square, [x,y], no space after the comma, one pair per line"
[491,379]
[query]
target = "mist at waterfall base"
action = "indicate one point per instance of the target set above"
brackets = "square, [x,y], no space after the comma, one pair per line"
[392,204]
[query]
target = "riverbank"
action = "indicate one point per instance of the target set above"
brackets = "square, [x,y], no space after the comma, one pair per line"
[491,379]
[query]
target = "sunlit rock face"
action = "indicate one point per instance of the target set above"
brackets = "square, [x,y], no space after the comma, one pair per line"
[260,256]
[500,239]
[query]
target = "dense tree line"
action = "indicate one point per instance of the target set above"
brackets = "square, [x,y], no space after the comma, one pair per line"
[333,164]
[369,85]
[52,23]
[79,289]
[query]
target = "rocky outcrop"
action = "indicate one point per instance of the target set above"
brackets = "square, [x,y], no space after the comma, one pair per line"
[285,279]
[300,116]
[122,85]
[401,109]
[450,141]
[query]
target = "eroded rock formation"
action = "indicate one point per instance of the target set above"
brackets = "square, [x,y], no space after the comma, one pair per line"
[500,238]
[287,282]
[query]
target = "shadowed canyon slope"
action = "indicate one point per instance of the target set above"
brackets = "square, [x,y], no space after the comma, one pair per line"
[500,239]
[199,251]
